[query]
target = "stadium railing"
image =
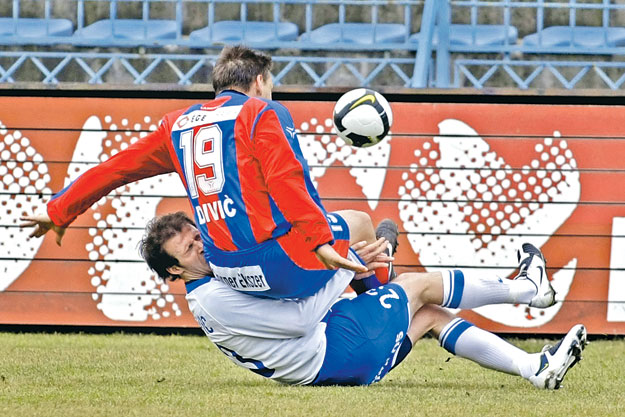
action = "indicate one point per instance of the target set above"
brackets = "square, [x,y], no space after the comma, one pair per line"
[185,26]
[313,28]
[421,42]
[318,25]
[306,25]
[18,30]
[563,31]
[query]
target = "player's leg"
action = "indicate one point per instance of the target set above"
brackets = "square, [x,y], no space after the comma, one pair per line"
[463,339]
[469,289]
[459,337]
[360,226]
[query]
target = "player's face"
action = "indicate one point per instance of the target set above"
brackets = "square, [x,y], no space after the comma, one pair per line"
[188,249]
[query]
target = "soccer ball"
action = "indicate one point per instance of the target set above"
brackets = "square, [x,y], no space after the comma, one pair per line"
[362,117]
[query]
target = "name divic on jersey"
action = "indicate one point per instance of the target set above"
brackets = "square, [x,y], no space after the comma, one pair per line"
[217,210]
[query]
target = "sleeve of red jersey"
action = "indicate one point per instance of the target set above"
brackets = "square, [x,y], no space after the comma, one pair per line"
[145,158]
[284,176]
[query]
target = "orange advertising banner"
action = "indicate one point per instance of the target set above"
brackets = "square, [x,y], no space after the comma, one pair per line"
[467,183]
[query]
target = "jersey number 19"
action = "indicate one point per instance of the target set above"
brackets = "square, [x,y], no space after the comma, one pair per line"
[204,151]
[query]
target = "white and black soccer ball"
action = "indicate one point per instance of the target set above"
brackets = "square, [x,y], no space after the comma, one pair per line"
[362,117]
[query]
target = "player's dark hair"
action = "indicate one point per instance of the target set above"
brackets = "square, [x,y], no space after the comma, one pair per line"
[237,68]
[158,231]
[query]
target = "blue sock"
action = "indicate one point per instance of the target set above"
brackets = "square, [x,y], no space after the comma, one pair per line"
[365,284]
[450,334]
[465,340]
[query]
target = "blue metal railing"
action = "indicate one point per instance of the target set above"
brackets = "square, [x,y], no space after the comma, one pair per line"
[582,37]
[113,31]
[420,43]
[104,67]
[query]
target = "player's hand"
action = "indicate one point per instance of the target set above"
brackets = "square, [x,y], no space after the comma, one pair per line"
[374,256]
[332,260]
[43,224]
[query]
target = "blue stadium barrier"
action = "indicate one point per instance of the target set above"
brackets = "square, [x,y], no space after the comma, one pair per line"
[470,35]
[575,38]
[578,38]
[130,32]
[96,67]
[451,35]
[593,38]
[357,33]
[476,35]
[134,29]
[232,31]
[244,30]
[16,30]
[280,32]
[362,34]
[13,29]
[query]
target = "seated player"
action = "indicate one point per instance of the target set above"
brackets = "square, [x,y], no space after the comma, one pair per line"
[318,341]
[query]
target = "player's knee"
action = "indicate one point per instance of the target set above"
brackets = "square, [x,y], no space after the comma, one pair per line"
[416,284]
[436,317]
[421,287]
[360,225]
[362,220]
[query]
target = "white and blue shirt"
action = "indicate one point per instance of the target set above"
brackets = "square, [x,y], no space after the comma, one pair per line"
[281,339]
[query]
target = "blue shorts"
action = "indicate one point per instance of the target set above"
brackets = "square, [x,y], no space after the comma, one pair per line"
[364,336]
[279,268]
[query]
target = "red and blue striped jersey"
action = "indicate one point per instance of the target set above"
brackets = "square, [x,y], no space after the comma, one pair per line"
[240,161]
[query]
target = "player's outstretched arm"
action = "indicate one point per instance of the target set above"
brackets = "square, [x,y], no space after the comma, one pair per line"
[332,260]
[42,224]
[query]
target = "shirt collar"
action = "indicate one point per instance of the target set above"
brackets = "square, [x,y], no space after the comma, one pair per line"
[191,285]
[231,92]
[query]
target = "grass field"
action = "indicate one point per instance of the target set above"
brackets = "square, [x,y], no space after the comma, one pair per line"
[148,375]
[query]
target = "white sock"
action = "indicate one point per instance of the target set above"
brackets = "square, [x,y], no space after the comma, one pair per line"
[470,289]
[463,339]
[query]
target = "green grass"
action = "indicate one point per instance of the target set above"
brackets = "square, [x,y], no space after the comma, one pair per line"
[145,375]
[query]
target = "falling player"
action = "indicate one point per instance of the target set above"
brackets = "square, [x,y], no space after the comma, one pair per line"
[257,210]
